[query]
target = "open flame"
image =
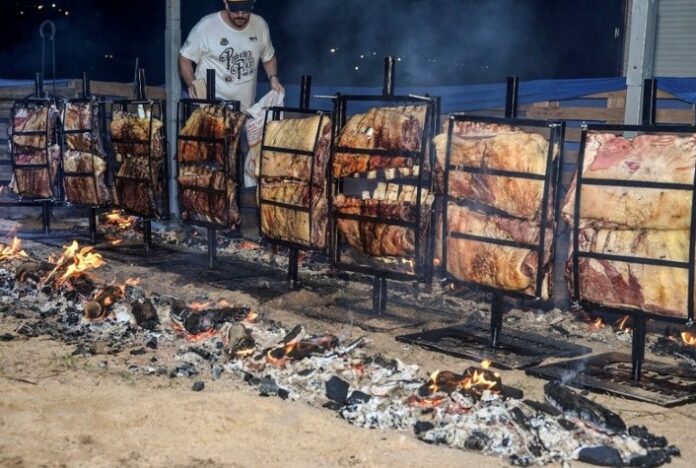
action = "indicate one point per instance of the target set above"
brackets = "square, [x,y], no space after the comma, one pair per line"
[474,381]
[73,262]
[298,350]
[121,222]
[689,338]
[597,324]
[621,324]
[12,251]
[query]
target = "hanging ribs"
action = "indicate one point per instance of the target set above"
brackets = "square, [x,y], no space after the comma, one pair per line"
[640,222]
[37,149]
[139,147]
[207,183]
[289,224]
[498,266]
[300,135]
[84,117]
[387,128]
[378,239]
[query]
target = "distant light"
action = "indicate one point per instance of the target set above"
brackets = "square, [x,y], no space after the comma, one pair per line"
[357,68]
[21,12]
[374,53]
[39,7]
[53,5]
[333,51]
[362,56]
[67,12]
[398,59]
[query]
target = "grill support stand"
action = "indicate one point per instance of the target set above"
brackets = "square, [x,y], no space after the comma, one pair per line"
[92,226]
[46,217]
[210,93]
[147,235]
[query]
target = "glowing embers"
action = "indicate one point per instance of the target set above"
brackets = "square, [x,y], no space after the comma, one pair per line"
[474,383]
[297,350]
[118,221]
[12,251]
[688,338]
[202,320]
[73,263]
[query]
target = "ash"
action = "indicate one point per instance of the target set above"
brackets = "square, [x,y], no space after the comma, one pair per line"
[370,391]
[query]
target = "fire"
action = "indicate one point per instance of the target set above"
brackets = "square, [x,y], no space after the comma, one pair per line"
[12,251]
[251,316]
[486,364]
[74,262]
[194,338]
[598,324]
[689,338]
[621,324]
[132,282]
[199,306]
[122,223]
[248,245]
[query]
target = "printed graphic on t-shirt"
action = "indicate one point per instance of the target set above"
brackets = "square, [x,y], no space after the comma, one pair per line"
[239,65]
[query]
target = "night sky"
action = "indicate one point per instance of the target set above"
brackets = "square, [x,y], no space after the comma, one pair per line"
[338,42]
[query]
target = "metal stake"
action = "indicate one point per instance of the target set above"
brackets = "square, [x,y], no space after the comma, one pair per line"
[147,235]
[46,217]
[638,345]
[497,311]
[379,295]
[293,266]
[92,226]
[649,102]
[511,97]
[389,67]
[212,247]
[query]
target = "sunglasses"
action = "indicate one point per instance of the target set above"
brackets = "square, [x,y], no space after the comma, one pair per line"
[240,7]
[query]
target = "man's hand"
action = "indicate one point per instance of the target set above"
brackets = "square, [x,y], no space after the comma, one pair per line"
[276,86]
[192,91]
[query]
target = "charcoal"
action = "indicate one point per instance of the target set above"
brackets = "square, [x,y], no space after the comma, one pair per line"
[201,352]
[647,440]
[217,371]
[184,370]
[422,426]
[652,459]
[294,333]
[283,394]
[577,406]
[138,352]
[358,397]
[600,456]
[337,390]
[145,314]
[567,425]
[476,441]
[7,337]
[333,406]
[543,407]
[268,387]
[152,343]
[198,386]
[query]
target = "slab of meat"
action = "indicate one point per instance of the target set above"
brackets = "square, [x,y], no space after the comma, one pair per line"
[136,189]
[657,289]
[207,196]
[648,223]
[292,225]
[215,122]
[300,135]
[85,118]
[657,158]
[376,238]
[516,151]
[508,268]
[36,182]
[84,190]
[208,189]
[387,128]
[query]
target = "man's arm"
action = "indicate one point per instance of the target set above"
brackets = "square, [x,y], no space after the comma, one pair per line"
[186,71]
[271,68]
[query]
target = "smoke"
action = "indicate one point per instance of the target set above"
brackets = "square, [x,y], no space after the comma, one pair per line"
[438,41]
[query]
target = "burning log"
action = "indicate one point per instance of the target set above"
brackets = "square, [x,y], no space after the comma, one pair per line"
[474,382]
[73,263]
[198,321]
[145,314]
[298,350]
[12,251]
[238,341]
[580,408]
[98,308]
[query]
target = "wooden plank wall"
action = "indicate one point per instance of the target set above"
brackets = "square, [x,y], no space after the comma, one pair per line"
[73,89]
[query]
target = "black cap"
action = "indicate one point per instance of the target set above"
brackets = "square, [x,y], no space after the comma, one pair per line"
[240,5]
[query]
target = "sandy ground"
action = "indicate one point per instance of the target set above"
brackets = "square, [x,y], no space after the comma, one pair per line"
[62,410]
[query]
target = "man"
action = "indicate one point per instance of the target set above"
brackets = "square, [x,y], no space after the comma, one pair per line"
[232,42]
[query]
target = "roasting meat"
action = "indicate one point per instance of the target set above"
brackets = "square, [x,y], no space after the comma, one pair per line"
[207,196]
[378,239]
[81,147]
[508,268]
[516,151]
[215,122]
[641,222]
[139,147]
[207,182]
[41,148]
[387,128]
[292,225]
[300,135]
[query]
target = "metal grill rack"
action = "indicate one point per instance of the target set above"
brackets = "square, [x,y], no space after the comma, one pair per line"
[422,258]
[184,111]
[503,349]
[273,114]
[153,109]
[94,103]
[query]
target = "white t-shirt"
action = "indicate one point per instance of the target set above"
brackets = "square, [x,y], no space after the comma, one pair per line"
[233,54]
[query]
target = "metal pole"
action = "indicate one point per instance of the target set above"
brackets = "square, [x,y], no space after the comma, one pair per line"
[511,96]
[39,85]
[210,84]
[389,69]
[172,41]
[305,91]
[212,247]
[93,225]
[641,54]
[649,101]
[497,310]
[86,88]
[379,295]
[46,217]
[638,345]
[141,93]
[147,235]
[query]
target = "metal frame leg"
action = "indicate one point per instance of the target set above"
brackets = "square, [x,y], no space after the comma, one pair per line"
[212,247]
[638,346]
[92,226]
[379,295]
[147,235]
[46,217]
[293,266]
[497,311]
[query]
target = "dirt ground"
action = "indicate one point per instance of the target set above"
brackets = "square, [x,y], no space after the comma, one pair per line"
[60,410]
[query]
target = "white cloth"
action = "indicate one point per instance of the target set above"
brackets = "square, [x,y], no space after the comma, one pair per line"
[233,54]
[256,117]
